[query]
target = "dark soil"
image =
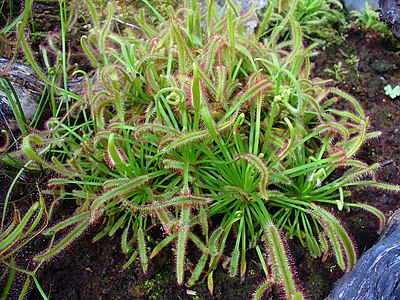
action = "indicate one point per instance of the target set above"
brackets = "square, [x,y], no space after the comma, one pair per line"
[94,270]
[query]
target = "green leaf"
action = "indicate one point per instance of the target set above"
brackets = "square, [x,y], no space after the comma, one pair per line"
[13,235]
[120,223]
[381,217]
[183,232]
[130,261]
[281,269]
[66,241]
[196,96]
[339,238]
[10,280]
[162,244]
[262,289]
[392,92]
[236,251]
[142,250]
[67,222]
[261,167]
[119,188]
[198,269]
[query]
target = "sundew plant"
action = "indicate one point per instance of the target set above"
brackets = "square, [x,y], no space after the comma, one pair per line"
[209,133]
[318,19]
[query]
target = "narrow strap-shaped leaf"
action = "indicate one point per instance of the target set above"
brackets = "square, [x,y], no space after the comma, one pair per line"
[243,261]
[174,201]
[125,245]
[162,244]
[349,98]
[351,177]
[203,221]
[249,57]
[233,268]
[165,217]
[151,128]
[141,19]
[381,185]
[195,239]
[10,280]
[196,96]
[118,224]
[120,190]
[93,13]
[88,53]
[142,250]
[231,31]
[20,227]
[232,6]
[339,238]
[34,223]
[282,271]
[212,128]
[214,238]
[181,47]
[337,247]
[104,32]
[374,211]
[116,155]
[11,226]
[210,282]
[262,261]
[264,23]
[261,167]
[262,288]
[154,11]
[198,269]
[358,140]
[67,222]
[195,136]
[182,242]
[256,88]
[131,260]
[28,148]
[184,139]
[66,241]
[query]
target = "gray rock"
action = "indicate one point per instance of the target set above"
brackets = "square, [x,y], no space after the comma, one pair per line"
[390,13]
[359,5]
[245,6]
[382,66]
[377,272]
[28,87]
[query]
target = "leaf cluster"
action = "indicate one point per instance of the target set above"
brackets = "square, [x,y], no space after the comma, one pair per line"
[369,20]
[208,134]
[21,231]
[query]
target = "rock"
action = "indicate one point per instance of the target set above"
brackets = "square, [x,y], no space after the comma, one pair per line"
[245,6]
[381,66]
[359,5]
[376,275]
[390,13]
[28,87]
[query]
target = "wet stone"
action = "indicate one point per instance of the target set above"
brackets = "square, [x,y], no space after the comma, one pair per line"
[377,272]
[390,13]
[28,88]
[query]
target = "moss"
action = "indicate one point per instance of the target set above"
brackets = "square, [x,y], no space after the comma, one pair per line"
[317,286]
